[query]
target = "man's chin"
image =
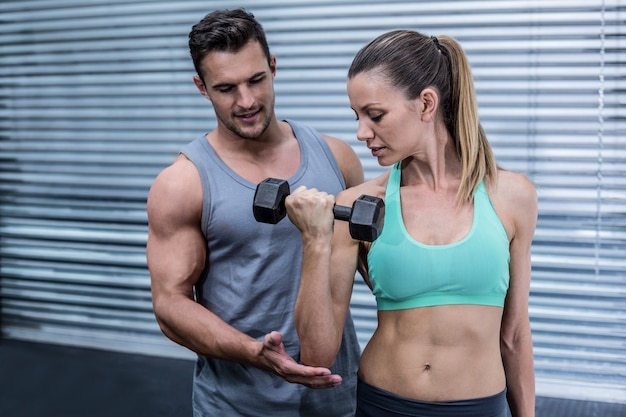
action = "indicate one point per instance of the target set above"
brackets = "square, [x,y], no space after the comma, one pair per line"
[252,132]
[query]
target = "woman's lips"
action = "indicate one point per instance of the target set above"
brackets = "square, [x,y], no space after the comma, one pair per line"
[376,151]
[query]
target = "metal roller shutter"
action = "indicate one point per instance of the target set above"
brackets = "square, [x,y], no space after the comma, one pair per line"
[96,98]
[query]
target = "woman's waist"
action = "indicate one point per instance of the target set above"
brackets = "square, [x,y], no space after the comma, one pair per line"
[371,398]
[433,378]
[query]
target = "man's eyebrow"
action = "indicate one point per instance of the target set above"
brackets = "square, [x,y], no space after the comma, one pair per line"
[225,85]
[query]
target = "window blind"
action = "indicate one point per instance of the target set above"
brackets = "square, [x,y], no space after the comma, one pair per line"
[96,98]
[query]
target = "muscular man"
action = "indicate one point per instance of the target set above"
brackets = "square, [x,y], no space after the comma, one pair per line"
[224,285]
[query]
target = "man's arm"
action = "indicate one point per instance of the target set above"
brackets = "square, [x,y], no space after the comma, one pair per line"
[176,253]
[348,161]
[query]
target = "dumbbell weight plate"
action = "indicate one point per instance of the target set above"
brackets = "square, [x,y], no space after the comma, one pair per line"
[269,200]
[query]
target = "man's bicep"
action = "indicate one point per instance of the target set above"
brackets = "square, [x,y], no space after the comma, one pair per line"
[176,248]
[175,260]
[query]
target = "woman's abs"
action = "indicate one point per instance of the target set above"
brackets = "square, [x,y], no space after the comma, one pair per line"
[442,353]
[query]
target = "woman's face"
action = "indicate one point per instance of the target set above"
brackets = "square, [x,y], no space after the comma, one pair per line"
[389,123]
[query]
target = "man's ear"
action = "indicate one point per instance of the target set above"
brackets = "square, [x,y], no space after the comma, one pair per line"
[429,101]
[200,86]
[272,63]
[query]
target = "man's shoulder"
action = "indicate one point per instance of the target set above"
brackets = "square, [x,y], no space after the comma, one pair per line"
[176,177]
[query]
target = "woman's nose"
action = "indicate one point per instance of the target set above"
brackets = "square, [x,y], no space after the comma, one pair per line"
[363,132]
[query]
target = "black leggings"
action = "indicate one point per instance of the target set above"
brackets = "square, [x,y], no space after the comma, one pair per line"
[375,402]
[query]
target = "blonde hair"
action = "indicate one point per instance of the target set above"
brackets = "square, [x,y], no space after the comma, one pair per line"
[411,61]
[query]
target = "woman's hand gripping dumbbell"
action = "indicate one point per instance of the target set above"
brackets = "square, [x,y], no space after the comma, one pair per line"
[365,217]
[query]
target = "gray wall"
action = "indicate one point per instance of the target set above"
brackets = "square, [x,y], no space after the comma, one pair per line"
[96,98]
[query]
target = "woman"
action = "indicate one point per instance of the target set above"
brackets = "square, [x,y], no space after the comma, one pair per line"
[451,268]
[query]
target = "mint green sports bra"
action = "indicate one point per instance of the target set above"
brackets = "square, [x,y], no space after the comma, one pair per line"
[405,273]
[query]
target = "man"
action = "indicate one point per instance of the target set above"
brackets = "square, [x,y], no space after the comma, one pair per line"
[224,285]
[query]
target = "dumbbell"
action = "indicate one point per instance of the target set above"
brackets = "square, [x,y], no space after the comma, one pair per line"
[365,217]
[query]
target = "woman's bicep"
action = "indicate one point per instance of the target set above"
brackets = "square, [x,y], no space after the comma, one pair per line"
[524,215]
[343,266]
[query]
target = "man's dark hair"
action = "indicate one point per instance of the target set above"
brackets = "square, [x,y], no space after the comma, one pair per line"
[224,31]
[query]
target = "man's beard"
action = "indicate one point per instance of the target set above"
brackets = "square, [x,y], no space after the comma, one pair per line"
[234,127]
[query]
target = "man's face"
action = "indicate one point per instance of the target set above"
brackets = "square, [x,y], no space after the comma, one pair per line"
[241,87]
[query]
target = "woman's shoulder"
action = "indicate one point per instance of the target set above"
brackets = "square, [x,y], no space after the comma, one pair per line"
[513,187]
[374,187]
[514,198]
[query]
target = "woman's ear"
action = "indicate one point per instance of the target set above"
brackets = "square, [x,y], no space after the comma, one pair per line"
[429,101]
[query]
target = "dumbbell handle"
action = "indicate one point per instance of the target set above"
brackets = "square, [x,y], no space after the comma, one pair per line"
[342,212]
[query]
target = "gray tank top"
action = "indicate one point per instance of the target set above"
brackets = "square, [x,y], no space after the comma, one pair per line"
[252,281]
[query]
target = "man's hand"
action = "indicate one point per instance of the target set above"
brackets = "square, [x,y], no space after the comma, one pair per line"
[284,366]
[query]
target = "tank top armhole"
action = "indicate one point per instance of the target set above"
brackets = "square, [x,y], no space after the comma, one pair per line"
[190,151]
